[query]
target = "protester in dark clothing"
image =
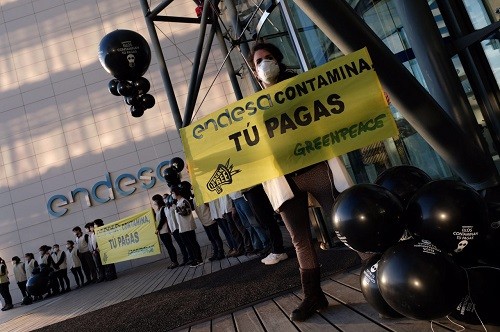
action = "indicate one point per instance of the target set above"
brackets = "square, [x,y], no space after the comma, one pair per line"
[88,264]
[289,194]
[73,263]
[108,271]
[163,231]
[20,275]
[4,286]
[60,266]
[48,263]
[263,212]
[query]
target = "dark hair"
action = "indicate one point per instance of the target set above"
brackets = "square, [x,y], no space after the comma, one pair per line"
[98,222]
[70,242]
[44,248]
[16,259]
[158,199]
[88,225]
[177,190]
[77,229]
[274,50]
[55,245]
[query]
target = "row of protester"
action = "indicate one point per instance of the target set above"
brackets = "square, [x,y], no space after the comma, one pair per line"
[47,274]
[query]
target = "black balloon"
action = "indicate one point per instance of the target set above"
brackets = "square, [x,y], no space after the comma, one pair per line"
[403,181]
[125,54]
[369,288]
[132,100]
[171,176]
[137,110]
[142,85]
[368,218]
[113,87]
[147,100]
[451,215]
[420,281]
[177,164]
[126,89]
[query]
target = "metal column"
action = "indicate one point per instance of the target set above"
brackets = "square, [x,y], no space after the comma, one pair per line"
[476,65]
[437,68]
[167,83]
[349,32]
[190,103]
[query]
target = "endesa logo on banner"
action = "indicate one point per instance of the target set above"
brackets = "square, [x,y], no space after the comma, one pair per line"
[122,184]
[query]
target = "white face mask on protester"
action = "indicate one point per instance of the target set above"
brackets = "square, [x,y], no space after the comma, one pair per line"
[268,71]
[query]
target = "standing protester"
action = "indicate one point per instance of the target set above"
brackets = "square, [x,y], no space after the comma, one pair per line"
[212,230]
[88,265]
[61,267]
[163,231]
[4,286]
[73,263]
[29,264]
[48,265]
[95,251]
[258,235]
[289,194]
[187,226]
[239,234]
[217,213]
[264,213]
[20,275]
[108,270]
[173,225]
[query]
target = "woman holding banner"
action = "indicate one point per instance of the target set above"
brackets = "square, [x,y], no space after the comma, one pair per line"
[289,194]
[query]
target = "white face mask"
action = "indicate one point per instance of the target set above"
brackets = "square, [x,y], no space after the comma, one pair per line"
[268,71]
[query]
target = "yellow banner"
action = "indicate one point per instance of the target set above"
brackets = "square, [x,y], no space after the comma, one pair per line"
[128,238]
[323,113]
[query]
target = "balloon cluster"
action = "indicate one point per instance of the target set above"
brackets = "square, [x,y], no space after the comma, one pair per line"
[134,93]
[126,55]
[173,177]
[437,269]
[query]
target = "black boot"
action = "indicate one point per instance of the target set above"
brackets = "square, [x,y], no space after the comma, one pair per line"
[314,299]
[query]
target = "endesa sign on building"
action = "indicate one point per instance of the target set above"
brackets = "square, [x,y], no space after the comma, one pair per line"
[57,205]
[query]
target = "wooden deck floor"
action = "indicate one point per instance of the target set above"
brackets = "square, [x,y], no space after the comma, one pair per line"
[348,310]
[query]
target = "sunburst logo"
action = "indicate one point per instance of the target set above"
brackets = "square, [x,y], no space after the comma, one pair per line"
[222,175]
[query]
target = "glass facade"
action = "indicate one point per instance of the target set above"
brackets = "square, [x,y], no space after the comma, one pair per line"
[305,46]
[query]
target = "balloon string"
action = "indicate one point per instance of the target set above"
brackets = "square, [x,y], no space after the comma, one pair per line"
[469,293]
[482,267]
[332,186]
[173,43]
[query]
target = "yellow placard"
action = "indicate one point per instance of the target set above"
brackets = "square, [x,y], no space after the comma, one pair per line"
[323,113]
[129,238]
